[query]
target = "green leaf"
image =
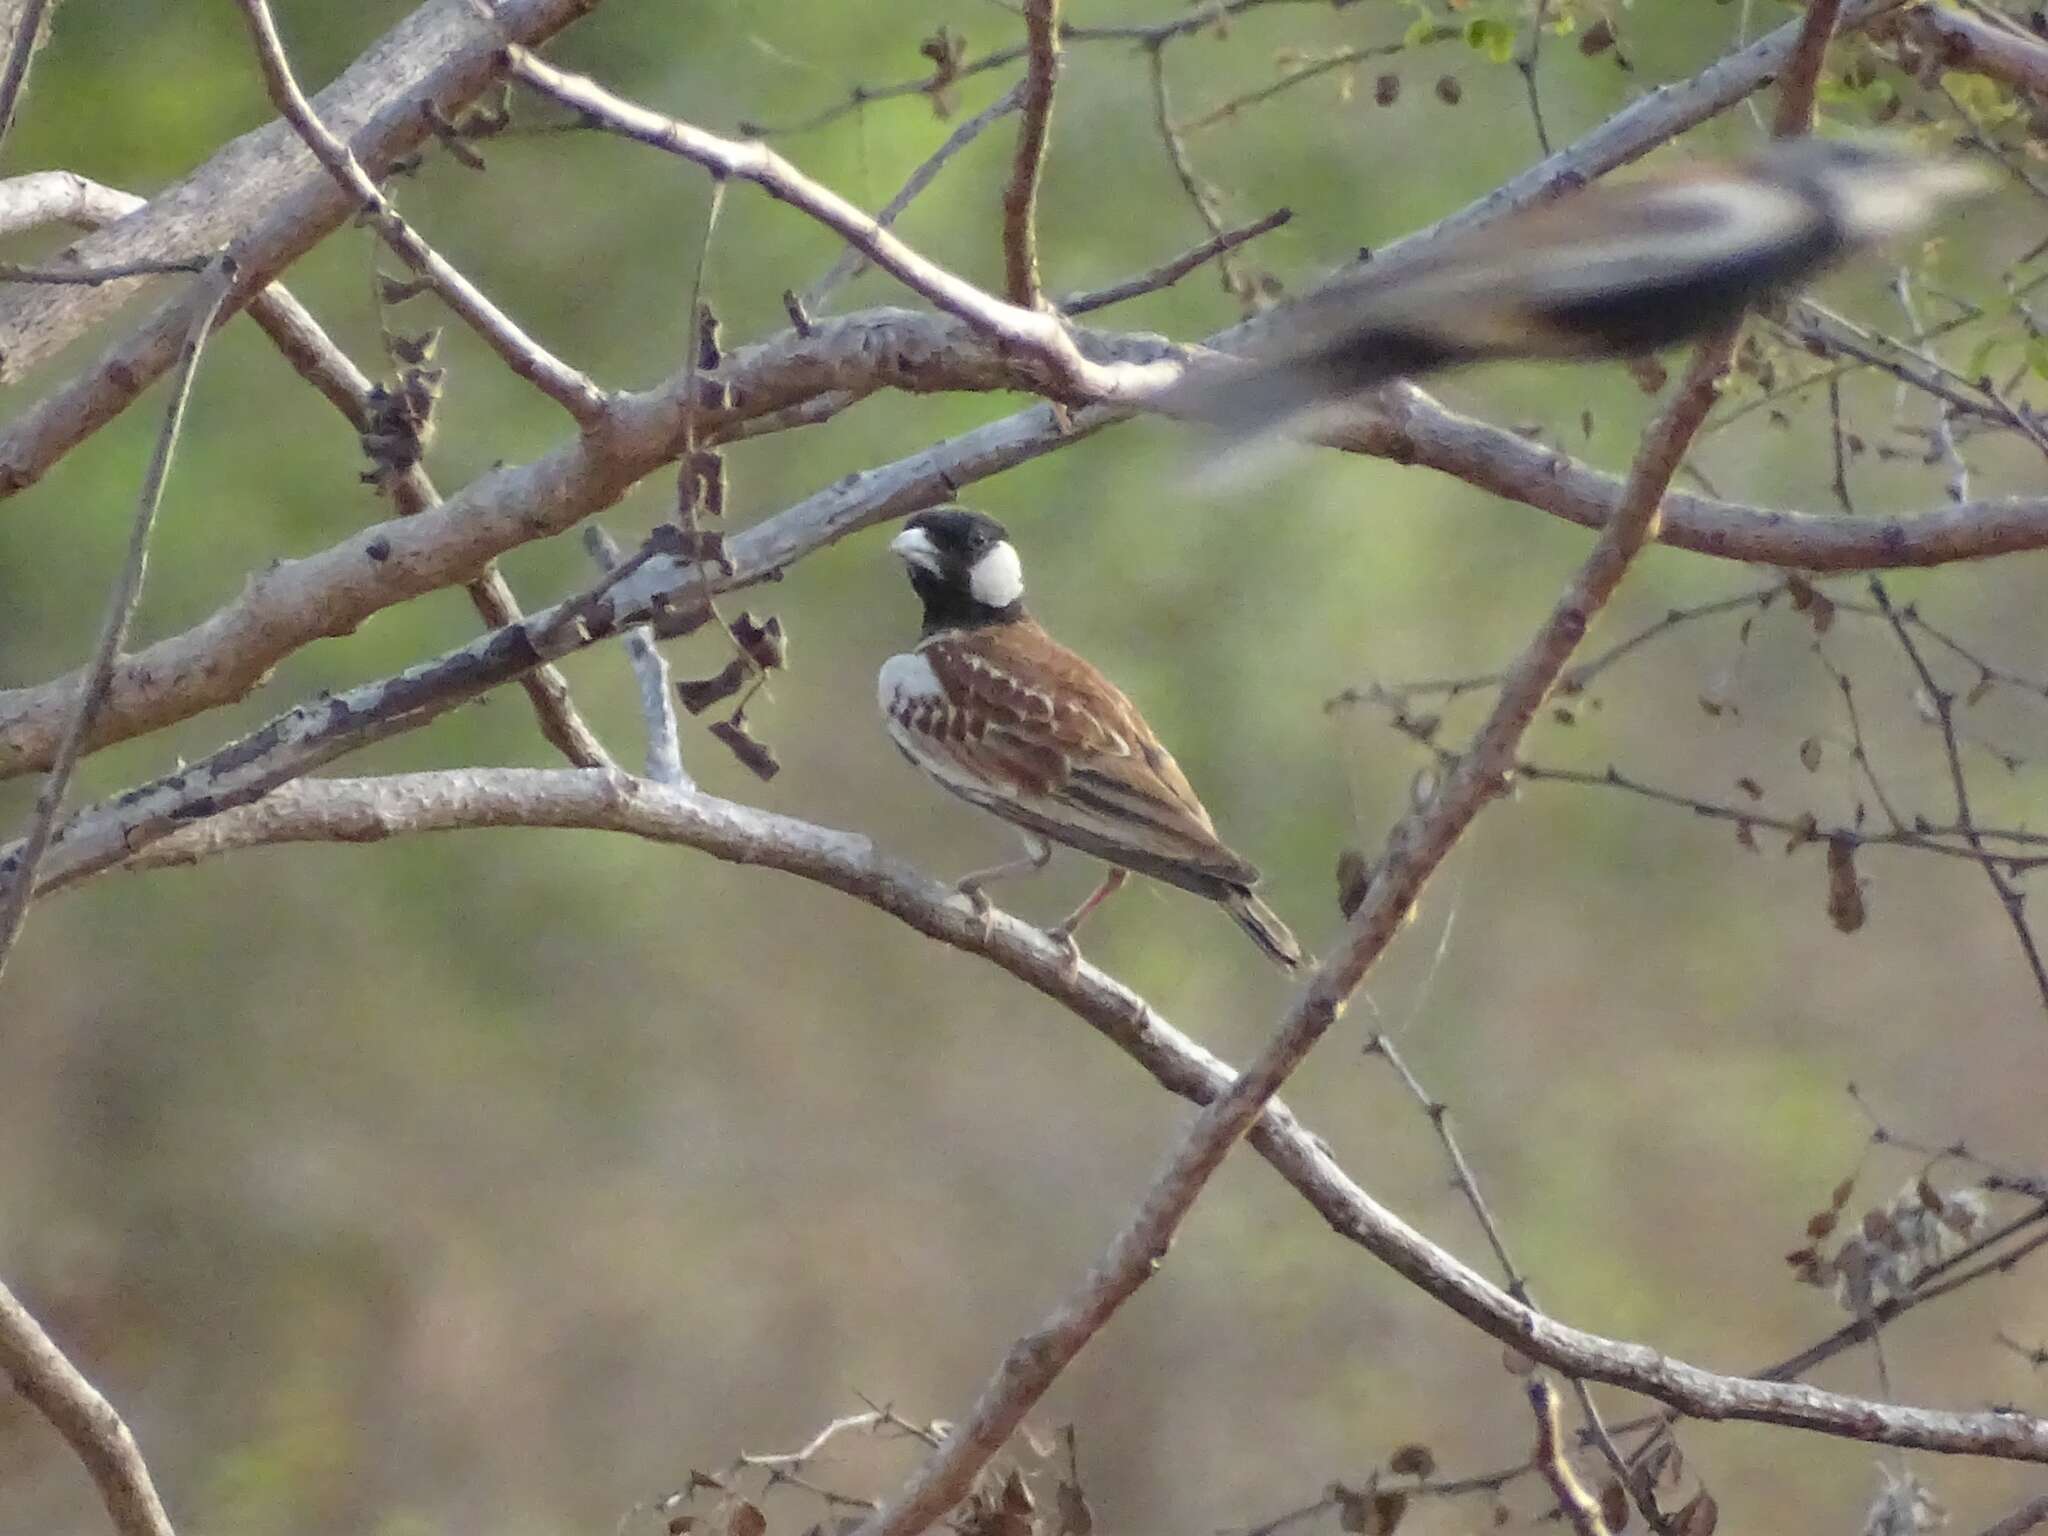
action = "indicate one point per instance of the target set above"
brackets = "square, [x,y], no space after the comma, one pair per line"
[2037,355]
[1491,36]
[1421,30]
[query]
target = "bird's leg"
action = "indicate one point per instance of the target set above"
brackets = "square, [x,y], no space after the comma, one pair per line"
[1062,932]
[1037,854]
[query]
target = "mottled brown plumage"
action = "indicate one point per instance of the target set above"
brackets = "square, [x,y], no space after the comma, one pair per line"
[1010,720]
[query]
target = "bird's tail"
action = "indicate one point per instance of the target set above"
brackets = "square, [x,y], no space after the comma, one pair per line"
[1265,927]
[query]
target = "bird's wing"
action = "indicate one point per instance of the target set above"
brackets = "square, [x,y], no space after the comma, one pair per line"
[1026,728]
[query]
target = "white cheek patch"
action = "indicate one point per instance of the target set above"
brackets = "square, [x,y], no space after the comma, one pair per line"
[998,577]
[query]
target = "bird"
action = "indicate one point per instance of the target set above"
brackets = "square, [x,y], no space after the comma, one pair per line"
[1615,270]
[1007,718]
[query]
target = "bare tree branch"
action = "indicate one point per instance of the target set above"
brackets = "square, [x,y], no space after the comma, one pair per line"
[1794,115]
[1167,273]
[1062,369]
[1942,703]
[1977,44]
[852,262]
[1438,1114]
[20,880]
[371,810]
[527,358]
[93,277]
[286,226]
[2029,1516]
[59,197]
[333,591]
[315,357]
[1020,197]
[86,1420]
[1414,850]
[268,195]
[27,22]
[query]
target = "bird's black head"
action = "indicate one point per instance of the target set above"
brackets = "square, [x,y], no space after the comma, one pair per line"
[1872,189]
[964,568]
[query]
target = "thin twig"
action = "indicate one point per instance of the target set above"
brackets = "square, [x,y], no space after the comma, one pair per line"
[21,52]
[1942,702]
[1197,190]
[92,277]
[20,890]
[1020,197]
[527,358]
[1166,274]
[1525,61]
[87,1421]
[1439,1116]
[1343,58]
[852,262]
[1153,34]
[872,1419]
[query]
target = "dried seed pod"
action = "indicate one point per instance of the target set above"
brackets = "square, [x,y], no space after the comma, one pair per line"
[757,757]
[700,694]
[762,640]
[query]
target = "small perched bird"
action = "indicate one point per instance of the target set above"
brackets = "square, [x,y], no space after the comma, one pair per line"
[1615,270]
[1010,720]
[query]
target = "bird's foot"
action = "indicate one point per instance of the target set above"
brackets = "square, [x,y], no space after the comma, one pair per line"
[983,909]
[1062,934]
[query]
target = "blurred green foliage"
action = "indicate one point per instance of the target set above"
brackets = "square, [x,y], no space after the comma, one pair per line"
[493,1182]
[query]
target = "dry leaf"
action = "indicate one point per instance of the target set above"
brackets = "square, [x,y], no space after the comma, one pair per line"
[1076,1518]
[1614,1506]
[1413,1460]
[1699,1517]
[1845,891]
